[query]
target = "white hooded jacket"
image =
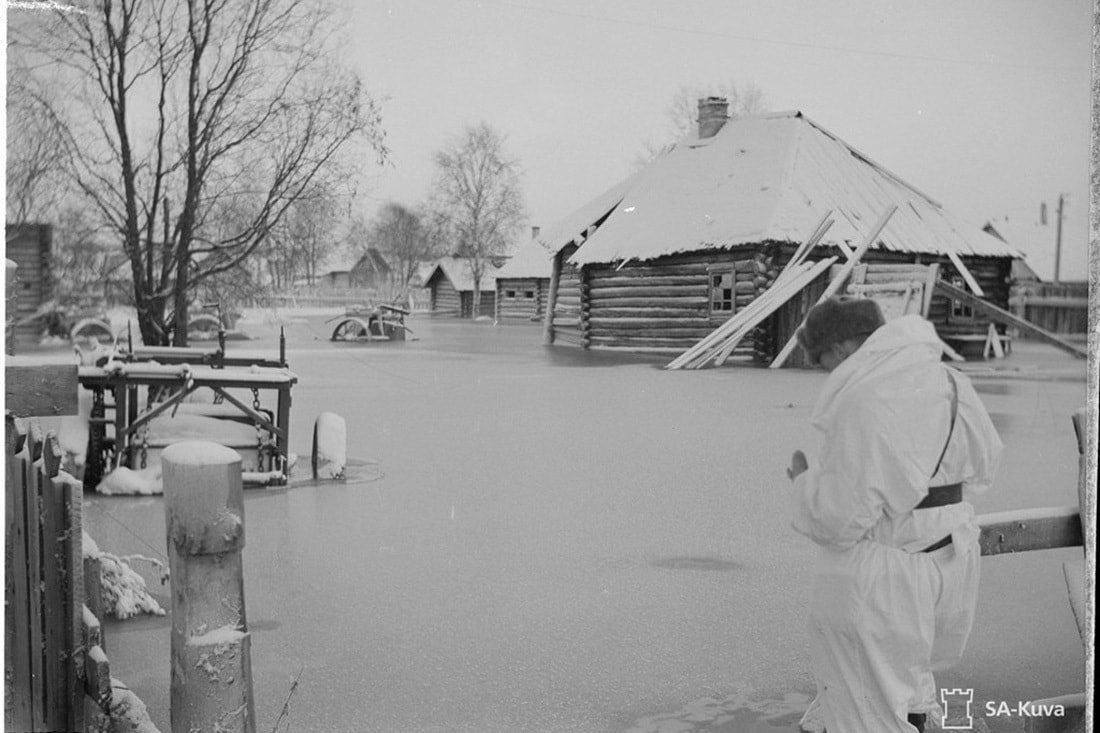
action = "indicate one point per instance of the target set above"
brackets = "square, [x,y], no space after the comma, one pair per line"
[885,413]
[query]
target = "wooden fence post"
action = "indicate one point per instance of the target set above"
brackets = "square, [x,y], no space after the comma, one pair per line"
[211,680]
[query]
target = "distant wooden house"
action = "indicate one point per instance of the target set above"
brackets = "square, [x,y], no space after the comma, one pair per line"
[452,289]
[523,283]
[370,271]
[29,246]
[658,261]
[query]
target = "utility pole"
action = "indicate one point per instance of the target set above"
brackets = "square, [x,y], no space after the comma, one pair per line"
[1058,239]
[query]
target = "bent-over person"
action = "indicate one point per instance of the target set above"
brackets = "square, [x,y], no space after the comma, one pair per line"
[905,441]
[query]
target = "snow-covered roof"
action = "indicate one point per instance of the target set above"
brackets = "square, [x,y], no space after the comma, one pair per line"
[530,259]
[457,270]
[572,228]
[764,178]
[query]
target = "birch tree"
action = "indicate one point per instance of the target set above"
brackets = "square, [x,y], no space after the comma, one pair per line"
[479,199]
[182,108]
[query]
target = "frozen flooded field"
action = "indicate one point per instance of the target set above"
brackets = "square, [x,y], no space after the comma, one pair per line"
[547,540]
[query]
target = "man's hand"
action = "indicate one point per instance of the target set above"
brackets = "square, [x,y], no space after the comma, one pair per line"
[798,464]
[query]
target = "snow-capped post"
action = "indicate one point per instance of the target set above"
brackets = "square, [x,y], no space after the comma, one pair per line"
[330,447]
[211,680]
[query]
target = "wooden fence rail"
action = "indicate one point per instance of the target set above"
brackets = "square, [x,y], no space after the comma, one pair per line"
[51,652]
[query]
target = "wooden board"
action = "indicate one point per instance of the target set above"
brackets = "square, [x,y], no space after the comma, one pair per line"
[1000,315]
[1031,529]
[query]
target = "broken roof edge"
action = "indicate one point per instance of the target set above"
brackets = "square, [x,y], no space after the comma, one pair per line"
[573,227]
[701,248]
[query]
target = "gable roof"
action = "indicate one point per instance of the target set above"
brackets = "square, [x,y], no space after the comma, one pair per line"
[457,270]
[372,261]
[765,178]
[531,259]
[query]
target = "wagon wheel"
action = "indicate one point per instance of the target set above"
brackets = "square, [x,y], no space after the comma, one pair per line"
[204,326]
[349,330]
[91,332]
[98,454]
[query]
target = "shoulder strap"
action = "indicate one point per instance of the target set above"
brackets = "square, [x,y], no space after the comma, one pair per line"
[954,413]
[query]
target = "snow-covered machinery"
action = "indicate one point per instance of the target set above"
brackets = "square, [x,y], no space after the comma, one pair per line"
[145,399]
[384,322]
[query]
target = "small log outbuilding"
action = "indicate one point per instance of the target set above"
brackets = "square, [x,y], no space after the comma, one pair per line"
[660,260]
[30,247]
[451,285]
[523,283]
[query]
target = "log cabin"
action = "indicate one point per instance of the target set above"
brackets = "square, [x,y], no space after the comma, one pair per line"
[661,259]
[30,247]
[451,286]
[523,283]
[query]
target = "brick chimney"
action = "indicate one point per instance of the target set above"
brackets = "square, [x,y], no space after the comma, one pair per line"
[713,113]
[535,232]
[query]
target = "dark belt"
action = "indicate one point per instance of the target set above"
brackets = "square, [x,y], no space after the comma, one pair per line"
[938,545]
[942,496]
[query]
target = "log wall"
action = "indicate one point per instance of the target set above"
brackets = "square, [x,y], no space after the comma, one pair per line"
[663,305]
[521,299]
[445,298]
[28,245]
[566,318]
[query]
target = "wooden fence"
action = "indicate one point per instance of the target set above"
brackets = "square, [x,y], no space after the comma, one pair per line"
[1061,308]
[53,645]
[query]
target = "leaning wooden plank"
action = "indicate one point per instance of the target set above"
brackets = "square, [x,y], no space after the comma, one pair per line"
[929,286]
[33,390]
[775,304]
[838,281]
[971,281]
[1000,315]
[734,321]
[810,242]
[1030,529]
[705,348]
[711,345]
[951,353]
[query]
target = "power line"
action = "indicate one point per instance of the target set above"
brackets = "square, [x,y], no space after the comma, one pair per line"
[770,41]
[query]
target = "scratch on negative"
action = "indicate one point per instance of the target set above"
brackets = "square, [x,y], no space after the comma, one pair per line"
[44,5]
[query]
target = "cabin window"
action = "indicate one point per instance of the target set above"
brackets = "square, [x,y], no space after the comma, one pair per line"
[528,293]
[721,292]
[960,311]
[510,293]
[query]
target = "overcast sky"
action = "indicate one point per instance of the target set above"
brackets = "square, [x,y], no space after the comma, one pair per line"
[983,105]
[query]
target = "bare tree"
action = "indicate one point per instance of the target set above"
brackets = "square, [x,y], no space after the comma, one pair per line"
[182,108]
[405,237]
[35,150]
[478,197]
[683,112]
[311,230]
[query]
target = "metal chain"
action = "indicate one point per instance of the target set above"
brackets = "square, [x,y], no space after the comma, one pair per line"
[144,444]
[259,431]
